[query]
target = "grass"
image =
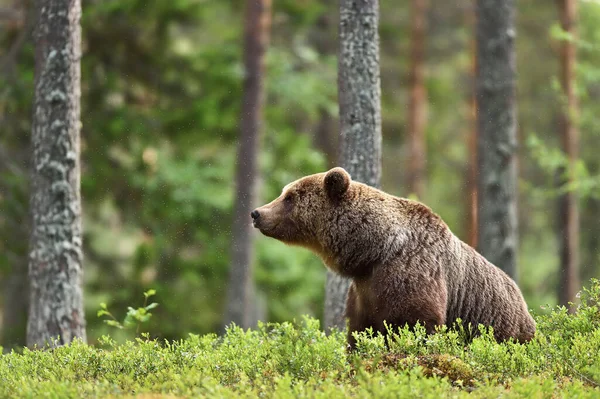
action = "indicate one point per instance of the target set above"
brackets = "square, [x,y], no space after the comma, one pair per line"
[289,360]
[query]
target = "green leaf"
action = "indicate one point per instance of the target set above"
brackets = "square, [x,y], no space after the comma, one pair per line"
[114,323]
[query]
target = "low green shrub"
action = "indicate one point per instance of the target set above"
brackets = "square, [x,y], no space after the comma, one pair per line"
[290,360]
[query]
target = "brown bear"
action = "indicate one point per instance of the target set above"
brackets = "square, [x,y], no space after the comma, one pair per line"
[405,263]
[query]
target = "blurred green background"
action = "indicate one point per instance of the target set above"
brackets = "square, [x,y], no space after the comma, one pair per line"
[161,91]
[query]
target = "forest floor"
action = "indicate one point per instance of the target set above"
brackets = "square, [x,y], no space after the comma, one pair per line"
[289,360]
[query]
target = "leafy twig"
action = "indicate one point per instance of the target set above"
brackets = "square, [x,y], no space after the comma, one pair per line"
[134,317]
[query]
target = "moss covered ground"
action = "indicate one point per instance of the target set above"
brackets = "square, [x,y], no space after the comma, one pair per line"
[298,360]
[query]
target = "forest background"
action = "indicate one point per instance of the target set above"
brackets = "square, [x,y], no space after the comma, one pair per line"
[161,96]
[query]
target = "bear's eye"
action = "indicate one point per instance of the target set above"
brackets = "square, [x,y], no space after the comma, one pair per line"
[288,197]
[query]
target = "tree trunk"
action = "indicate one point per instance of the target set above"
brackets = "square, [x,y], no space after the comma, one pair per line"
[568,210]
[417,117]
[471,180]
[359,95]
[240,298]
[496,125]
[472,219]
[55,254]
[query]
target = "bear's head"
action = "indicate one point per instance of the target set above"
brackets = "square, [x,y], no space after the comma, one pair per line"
[299,215]
[350,225]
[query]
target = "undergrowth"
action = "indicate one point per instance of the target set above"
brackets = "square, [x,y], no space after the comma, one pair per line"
[289,360]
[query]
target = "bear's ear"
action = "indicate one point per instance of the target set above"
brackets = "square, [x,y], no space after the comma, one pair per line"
[336,183]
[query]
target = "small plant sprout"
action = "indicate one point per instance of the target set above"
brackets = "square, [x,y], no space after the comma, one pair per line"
[134,317]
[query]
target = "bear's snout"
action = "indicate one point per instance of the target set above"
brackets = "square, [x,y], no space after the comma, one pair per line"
[255,214]
[274,221]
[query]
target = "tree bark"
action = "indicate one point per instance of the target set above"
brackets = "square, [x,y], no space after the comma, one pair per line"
[472,219]
[240,298]
[497,125]
[359,95]
[568,209]
[471,175]
[56,313]
[417,117]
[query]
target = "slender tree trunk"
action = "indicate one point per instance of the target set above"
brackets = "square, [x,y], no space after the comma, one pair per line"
[472,219]
[417,117]
[497,125]
[568,213]
[359,96]
[472,138]
[240,297]
[55,254]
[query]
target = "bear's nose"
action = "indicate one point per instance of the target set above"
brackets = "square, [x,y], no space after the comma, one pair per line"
[254,214]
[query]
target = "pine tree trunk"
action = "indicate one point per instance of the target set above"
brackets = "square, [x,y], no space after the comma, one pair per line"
[472,219]
[55,254]
[568,209]
[496,125]
[471,178]
[359,95]
[240,296]
[417,117]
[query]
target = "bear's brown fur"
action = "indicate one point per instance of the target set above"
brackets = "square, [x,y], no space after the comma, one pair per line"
[405,263]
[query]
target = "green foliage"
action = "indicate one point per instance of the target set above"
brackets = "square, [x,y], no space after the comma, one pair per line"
[542,157]
[161,109]
[552,161]
[289,360]
[134,317]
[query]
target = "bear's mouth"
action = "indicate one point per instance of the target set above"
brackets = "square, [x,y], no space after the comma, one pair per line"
[269,229]
[260,225]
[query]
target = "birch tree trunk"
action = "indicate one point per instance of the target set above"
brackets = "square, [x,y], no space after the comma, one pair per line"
[55,255]
[417,117]
[568,209]
[359,96]
[497,125]
[240,296]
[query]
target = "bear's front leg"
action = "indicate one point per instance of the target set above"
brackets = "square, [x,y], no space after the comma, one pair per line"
[357,320]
